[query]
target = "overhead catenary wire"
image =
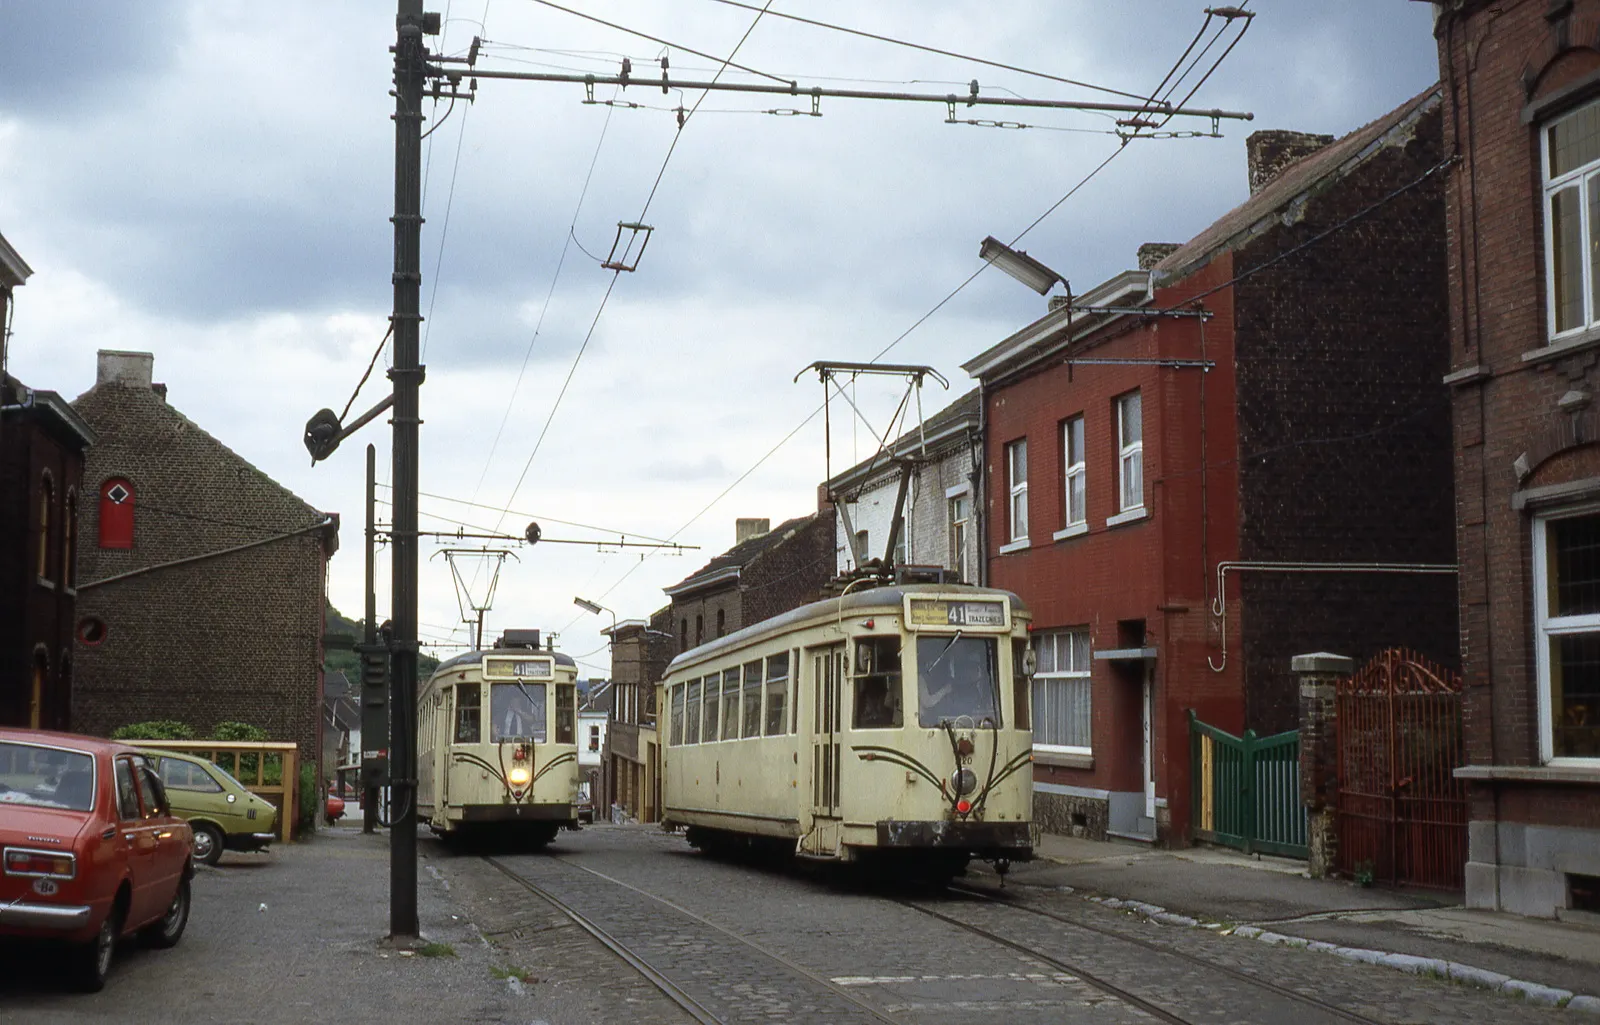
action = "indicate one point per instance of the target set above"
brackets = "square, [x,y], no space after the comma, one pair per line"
[663,42]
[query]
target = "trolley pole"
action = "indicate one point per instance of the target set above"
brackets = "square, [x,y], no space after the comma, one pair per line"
[409,73]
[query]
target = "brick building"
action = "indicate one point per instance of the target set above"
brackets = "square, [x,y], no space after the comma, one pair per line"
[640,651]
[1522,114]
[766,572]
[42,446]
[941,523]
[204,579]
[1186,517]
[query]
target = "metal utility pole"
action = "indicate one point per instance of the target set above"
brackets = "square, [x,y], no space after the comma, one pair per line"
[374,704]
[409,74]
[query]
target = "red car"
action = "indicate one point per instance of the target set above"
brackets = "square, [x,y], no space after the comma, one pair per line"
[89,850]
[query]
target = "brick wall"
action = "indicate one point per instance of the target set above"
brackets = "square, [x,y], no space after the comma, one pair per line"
[1496,63]
[235,637]
[1344,430]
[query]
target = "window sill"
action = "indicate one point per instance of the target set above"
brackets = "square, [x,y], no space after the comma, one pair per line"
[1076,530]
[1014,546]
[1063,759]
[1133,515]
[1573,772]
[42,582]
[1589,339]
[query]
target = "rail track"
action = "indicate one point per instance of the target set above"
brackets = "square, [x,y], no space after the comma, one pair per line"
[1093,978]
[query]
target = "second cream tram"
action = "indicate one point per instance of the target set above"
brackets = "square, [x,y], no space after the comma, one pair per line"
[890,724]
[497,743]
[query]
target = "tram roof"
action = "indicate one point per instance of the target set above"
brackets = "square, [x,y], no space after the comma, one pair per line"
[471,657]
[872,598]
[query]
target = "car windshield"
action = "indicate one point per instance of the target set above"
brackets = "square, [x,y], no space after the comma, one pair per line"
[47,777]
[956,681]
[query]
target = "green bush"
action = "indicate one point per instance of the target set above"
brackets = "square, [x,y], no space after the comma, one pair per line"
[155,729]
[238,731]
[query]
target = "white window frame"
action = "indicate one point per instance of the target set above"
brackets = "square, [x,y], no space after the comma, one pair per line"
[1546,627]
[1073,469]
[959,528]
[1060,638]
[1130,454]
[1017,508]
[1580,177]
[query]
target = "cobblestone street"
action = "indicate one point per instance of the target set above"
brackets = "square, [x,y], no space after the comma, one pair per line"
[764,944]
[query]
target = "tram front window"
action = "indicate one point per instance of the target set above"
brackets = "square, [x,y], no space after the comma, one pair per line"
[956,680]
[877,704]
[516,712]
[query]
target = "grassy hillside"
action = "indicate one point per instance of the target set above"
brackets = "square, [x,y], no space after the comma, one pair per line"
[338,651]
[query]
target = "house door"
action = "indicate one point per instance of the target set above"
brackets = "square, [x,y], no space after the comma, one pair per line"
[1147,715]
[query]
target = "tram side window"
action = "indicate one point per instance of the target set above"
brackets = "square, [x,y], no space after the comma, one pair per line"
[752,699]
[517,712]
[691,714]
[566,714]
[675,738]
[709,729]
[878,703]
[730,704]
[1021,689]
[777,693]
[469,713]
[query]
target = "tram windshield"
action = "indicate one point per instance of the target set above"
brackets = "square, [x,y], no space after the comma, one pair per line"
[956,680]
[517,712]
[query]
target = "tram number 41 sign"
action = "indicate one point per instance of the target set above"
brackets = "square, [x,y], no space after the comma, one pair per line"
[937,612]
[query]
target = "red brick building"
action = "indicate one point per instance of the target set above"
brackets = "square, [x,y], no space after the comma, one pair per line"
[1186,502]
[1522,114]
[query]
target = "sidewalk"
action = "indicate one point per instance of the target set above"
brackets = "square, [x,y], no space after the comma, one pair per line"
[1272,898]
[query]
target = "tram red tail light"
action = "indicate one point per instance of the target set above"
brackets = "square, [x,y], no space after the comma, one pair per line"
[963,806]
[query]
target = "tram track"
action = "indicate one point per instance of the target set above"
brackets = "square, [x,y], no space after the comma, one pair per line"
[1110,988]
[659,977]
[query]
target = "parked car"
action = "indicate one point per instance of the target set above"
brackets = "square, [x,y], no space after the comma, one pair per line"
[223,814]
[90,851]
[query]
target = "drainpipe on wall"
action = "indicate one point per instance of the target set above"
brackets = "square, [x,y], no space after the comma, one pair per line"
[980,498]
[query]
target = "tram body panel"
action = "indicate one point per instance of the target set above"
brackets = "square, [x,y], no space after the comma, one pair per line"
[903,730]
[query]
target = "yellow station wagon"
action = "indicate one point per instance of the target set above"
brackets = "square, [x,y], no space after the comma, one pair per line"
[222,813]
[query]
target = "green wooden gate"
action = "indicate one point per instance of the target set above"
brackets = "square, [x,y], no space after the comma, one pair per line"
[1246,790]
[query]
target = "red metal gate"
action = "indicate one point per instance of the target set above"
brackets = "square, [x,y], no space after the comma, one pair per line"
[1402,812]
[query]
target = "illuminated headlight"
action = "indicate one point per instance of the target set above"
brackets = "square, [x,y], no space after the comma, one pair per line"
[964,781]
[518,776]
[41,864]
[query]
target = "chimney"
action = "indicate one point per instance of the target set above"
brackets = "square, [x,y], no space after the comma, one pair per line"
[1268,153]
[129,369]
[746,528]
[824,503]
[1152,253]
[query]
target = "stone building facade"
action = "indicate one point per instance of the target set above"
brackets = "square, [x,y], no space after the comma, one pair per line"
[640,651]
[204,579]
[1203,497]
[1522,102]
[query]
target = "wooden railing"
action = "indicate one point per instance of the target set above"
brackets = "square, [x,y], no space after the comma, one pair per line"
[269,768]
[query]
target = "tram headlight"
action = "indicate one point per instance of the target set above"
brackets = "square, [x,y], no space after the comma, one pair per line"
[518,775]
[964,781]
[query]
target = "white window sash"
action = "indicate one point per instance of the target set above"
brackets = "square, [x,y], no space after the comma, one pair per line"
[1545,627]
[1580,177]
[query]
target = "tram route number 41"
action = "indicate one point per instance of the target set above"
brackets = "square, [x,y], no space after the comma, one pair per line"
[933,612]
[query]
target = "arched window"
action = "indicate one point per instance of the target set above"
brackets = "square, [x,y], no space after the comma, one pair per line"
[683,634]
[722,619]
[69,550]
[116,513]
[699,629]
[47,504]
[41,673]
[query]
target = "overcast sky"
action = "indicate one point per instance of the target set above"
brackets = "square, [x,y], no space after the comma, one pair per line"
[211,181]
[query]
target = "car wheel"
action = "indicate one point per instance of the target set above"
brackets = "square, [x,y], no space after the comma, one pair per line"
[169,930]
[92,961]
[207,844]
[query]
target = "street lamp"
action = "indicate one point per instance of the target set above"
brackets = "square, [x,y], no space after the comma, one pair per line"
[596,608]
[1019,265]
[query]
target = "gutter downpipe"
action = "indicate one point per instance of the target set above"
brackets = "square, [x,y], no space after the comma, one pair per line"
[1219,607]
[980,495]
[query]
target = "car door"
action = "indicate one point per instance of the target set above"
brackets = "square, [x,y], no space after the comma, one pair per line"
[137,839]
[172,844]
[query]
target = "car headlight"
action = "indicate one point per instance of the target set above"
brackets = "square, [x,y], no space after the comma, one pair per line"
[518,775]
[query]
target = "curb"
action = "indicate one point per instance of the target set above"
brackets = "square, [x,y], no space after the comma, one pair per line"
[1469,975]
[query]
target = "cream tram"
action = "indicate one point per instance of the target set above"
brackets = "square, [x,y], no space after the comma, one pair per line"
[890,724]
[497,742]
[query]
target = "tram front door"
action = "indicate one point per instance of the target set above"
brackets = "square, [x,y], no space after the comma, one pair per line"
[827,675]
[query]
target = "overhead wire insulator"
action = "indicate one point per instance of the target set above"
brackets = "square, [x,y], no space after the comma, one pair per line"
[665,87]
[627,69]
[972,92]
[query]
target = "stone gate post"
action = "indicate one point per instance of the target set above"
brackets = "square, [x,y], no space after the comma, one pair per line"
[1319,754]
